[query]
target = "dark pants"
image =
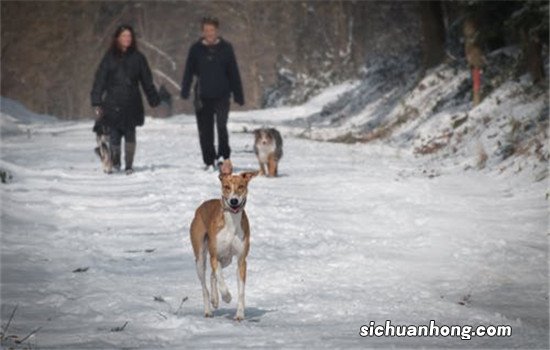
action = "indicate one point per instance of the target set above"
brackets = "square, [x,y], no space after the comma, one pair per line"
[117,134]
[218,108]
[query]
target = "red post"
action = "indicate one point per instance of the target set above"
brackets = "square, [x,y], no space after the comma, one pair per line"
[476,78]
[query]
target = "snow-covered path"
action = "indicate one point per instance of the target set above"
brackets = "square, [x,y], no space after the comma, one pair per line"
[347,235]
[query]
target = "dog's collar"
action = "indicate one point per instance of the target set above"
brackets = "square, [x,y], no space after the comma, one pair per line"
[227,207]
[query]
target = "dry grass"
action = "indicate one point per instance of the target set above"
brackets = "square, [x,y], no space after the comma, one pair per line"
[13,341]
[481,156]
[435,144]
[385,130]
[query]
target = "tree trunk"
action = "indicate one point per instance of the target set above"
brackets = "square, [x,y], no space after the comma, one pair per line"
[433,32]
[532,51]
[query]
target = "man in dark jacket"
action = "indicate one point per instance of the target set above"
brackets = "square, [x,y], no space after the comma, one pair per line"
[116,97]
[213,61]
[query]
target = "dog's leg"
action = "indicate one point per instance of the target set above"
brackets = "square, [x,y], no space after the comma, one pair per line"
[241,279]
[97,150]
[271,165]
[218,281]
[212,250]
[106,157]
[201,272]
[199,242]
[262,172]
[226,296]
[215,295]
[100,152]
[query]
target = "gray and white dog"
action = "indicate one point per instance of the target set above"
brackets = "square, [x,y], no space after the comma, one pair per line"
[268,146]
[103,149]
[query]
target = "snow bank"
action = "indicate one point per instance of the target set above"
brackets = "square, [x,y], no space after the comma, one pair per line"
[281,116]
[432,116]
[14,118]
[16,110]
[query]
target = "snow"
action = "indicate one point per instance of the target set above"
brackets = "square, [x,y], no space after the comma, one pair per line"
[10,125]
[347,234]
[432,114]
[278,115]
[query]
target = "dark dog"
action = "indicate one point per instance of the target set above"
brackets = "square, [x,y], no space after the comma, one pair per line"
[268,146]
[103,149]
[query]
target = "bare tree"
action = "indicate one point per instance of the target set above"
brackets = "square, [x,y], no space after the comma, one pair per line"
[433,32]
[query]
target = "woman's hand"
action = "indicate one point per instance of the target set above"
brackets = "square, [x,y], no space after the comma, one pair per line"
[98,112]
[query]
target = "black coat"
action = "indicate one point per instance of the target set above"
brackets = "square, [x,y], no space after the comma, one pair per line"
[217,71]
[116,88]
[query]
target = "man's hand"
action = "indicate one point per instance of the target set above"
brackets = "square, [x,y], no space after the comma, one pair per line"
[239,101]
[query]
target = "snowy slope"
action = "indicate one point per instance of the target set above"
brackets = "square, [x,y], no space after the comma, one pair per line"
[347,235]
[431,115]
[14,117]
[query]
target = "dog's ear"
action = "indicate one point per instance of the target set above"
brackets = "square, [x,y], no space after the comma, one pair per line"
[248,175]
[225,167]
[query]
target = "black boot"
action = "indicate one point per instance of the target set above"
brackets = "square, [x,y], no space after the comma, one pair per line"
[129,152]
[115,156]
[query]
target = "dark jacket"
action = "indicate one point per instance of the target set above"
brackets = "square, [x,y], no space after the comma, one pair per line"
[217,71]
[116,88]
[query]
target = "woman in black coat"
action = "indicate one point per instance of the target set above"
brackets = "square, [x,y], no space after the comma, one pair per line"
[116,97]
